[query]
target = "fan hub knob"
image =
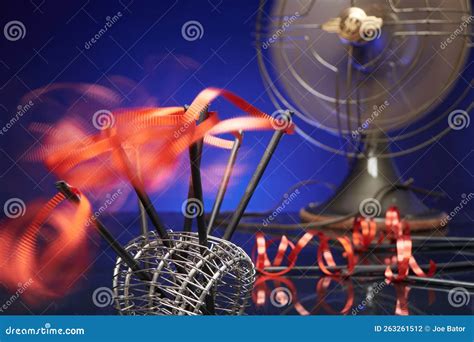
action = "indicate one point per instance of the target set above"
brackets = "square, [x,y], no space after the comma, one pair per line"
[355,26]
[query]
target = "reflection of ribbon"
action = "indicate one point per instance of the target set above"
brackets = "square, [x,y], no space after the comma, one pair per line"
[322,287]
[53,266]
[261,292]
[364,233]
[402,291]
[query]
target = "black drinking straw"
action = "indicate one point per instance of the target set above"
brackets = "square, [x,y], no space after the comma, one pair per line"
[195,156]
[66,190]
[224,183]
[188,220]
[249,191]
[143,216]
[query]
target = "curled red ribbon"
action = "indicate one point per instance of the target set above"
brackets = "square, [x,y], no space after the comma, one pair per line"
[324,255]
[49,268]
[364,233]
[93,162]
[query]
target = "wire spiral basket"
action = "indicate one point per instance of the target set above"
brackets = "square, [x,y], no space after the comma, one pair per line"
[183,277]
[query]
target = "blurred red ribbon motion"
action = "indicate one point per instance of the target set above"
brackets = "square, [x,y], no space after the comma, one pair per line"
[50,248]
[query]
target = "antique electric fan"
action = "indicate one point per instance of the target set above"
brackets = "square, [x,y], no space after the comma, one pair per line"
[363,76]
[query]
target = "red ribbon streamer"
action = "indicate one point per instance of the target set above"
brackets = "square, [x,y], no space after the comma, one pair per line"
[49,268]
[364,233]
[324,254]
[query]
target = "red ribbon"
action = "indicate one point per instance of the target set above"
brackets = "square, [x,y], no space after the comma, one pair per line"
[324,254]
[364,233]
[52,267]
[261,292]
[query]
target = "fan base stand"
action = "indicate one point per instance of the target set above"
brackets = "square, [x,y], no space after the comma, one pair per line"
[366,178]
[416,223]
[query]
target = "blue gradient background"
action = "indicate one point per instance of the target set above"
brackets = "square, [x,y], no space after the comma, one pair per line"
[146,46]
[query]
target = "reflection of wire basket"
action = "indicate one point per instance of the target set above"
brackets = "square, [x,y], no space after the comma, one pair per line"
[225,272]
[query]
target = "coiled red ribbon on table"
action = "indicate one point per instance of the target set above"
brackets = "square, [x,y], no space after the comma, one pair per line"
[363,235]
